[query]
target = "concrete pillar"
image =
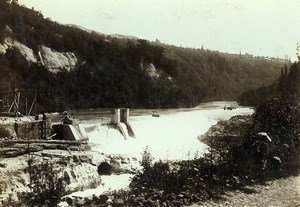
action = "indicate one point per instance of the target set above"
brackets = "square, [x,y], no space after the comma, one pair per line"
[125,115]
[115,117]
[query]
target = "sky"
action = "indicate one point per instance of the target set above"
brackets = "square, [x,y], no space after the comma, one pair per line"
[258,27]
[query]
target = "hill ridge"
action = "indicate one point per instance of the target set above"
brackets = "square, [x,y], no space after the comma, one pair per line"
[107,72]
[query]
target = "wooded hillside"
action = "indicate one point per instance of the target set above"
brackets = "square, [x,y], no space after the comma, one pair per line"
[114,72]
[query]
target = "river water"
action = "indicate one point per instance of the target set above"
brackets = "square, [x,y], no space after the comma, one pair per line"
[171,136]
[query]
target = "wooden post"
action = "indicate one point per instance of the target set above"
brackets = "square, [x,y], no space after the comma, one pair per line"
[26,106]
[35,101]
[30,108]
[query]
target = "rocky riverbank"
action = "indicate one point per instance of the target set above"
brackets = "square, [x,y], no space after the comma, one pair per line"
[226,133]
[79,170]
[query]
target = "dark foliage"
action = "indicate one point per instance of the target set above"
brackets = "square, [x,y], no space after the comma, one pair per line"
[279,115]
[286,86]
[112,72]
[254,97]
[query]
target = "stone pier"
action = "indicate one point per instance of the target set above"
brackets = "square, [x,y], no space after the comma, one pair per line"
[122,116]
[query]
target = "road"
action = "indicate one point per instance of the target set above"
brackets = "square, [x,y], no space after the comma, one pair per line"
[283,192]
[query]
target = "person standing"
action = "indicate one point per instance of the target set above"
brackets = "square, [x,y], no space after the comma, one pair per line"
[263,149]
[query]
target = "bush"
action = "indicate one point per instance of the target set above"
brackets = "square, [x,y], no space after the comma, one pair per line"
[146,162]
[46,188]
[279,118]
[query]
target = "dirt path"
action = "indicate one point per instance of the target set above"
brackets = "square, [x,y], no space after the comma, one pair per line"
[278,193]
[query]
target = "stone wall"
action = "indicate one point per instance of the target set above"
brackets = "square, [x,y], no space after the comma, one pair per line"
[26,127]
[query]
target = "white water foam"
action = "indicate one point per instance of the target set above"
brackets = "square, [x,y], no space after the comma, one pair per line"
[109,183]
[172,136]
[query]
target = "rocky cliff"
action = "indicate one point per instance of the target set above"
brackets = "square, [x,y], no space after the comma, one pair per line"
[54,61]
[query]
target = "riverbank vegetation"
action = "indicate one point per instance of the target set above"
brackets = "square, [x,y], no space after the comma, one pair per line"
[268,149]
[285,86]
[119,72]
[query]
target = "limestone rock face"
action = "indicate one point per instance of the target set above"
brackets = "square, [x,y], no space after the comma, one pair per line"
[56,61]
[150,70]
[51,59]
[27,52]
[3,48]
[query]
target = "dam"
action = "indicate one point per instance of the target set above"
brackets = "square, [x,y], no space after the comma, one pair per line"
[172,136]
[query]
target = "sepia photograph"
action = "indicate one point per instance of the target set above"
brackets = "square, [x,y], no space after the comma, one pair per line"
[149,103]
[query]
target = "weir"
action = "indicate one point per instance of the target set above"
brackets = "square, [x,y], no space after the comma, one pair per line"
[172,136]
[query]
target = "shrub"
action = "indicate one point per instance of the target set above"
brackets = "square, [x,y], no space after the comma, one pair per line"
[279,118]
[146,162]
[46,188]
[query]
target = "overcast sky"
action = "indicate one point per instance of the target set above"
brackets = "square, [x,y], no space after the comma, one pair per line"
[258,27]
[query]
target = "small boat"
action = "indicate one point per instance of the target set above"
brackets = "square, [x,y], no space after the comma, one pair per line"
[229,107]
[155,115]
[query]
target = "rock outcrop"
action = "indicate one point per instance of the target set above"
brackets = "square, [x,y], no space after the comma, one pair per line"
[51,59]
[56,61]
[226,132]
[26,52]
[150,70]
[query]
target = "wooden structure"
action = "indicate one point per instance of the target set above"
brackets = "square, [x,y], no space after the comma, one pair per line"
[11,105]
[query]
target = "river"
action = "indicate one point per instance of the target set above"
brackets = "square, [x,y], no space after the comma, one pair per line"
[171,136]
